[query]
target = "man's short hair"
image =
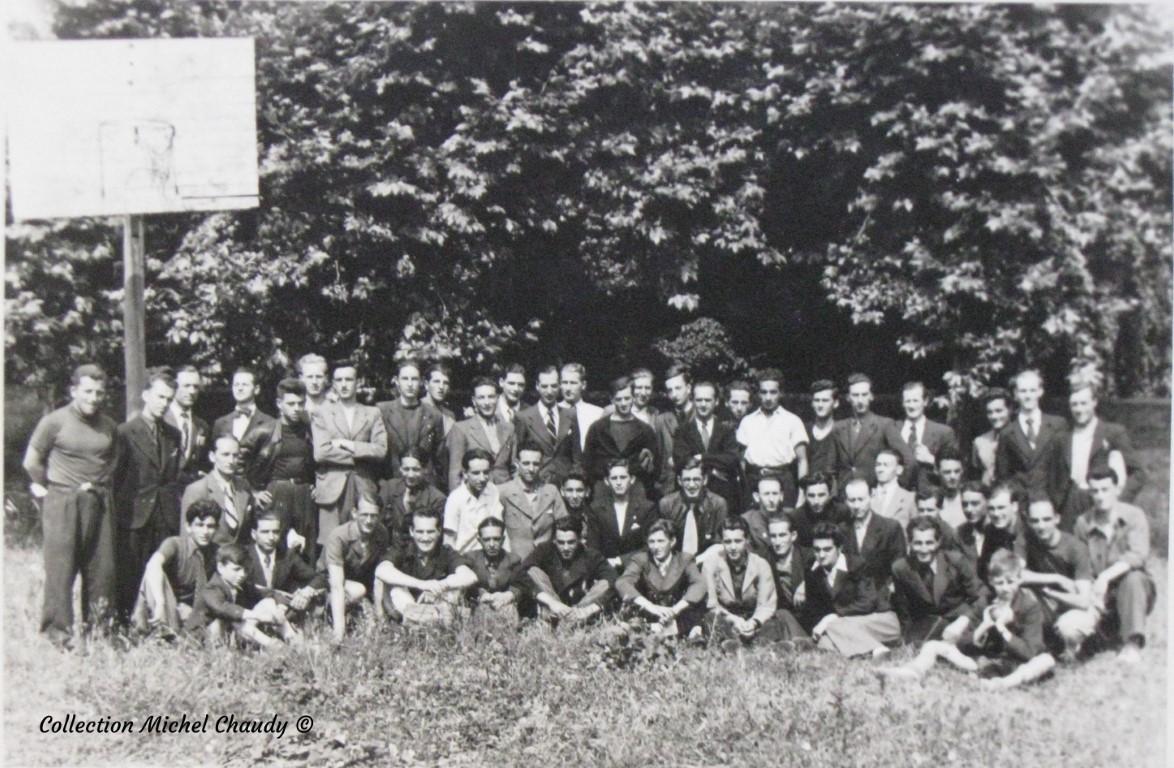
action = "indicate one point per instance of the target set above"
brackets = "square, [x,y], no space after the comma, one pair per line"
[567,525]
[995,393]
[1004,563]
[345,363]
[244,369]
[309,359]
[413,452]
[220,438]
[1012,491]
[739,385]
[662,526]
[230,553]
[1027,372]
[909,386]
[532,446]
[513,368]
[815,478]
[1103,471]
[574,368]
[770,374]
[438,367]
[781,517]
[162,374]
[704,383]
[859,378]
[483,381]
[819,385]
[426,513]
[975,486]
[924,523]
[693,462]
[618,384]
[613,463]
[290,387]
[473,454]
[490,522]
[771,476]
[409,362]
[546,369]
[576,474]
[679,369]
[201,509]
[891,452]
[931,492]
[736,523]
[1079,380]
[642,373]
[267,514]
[828,531]
[857,478]
[949,453]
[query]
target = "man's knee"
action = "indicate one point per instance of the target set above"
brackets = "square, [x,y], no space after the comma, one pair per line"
[1076,625]
[354,591]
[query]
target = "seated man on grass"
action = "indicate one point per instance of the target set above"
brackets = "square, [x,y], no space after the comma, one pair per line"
[351,553]
[427,579]
[1007,646]
[841,600]
[789,563]
[740,590]
[282,575]
[662,585]
[570,582]
[177,571]
[936,593]
[499,591]
[220,612]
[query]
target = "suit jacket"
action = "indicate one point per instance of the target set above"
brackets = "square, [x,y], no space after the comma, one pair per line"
[666,424]
[759,530]
[884,544]
[604,537]
[935,436]
[1106,438]
[901,506]
[528,525]
[602,447]
[758,588]
[558,452]
[956,592]
[290,573]
[720,461]
[859,454]
[1040,470]
[208,487]
[257,431]
[261,471]
[146,476]
[396,518]
[852,593]
[335,466]
[194,462]
[469,434]
[711,513]
[421,428]
[787,581]
[681,579]
[804,519]
[217,601]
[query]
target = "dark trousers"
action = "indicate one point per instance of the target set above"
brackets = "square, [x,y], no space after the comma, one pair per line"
[135,547]
[78,538]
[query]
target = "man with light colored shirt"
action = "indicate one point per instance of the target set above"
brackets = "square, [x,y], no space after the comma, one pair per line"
[473,500]
[529,505]
[926,439]
[864,434]
[486,430]
[228,489]
[549,426]
[695,514]
[572,382]
[879,541]
[194,432]
[248,424]
[512,384]
[775,439]
[1091,442]
[997,404]
[1030,449]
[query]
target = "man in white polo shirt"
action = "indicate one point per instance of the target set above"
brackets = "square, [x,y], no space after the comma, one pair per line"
[774,439]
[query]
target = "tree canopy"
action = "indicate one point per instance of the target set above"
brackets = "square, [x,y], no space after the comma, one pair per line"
[944,190]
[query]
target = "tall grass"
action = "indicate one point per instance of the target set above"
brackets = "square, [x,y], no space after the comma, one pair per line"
[474,696]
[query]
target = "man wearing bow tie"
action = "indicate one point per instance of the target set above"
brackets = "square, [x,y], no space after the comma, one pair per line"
[194,432]
[247,424]
[1029,453]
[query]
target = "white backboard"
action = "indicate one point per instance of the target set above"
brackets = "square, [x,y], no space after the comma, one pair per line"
[108,127]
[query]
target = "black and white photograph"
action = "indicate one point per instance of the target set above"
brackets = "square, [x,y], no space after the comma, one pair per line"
[587,384]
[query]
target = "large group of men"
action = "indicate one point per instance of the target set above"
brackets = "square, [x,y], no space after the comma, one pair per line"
[723,519]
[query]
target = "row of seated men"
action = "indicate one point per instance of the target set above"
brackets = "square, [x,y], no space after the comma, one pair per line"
[111,495]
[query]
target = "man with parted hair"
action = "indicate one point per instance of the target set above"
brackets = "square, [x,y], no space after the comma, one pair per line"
[312,370]
[484,430]
[247,423]
[411,425]
[663,585]
[714,441]
[621,436]
[350,447]
[696,516]
[471,501]
[194,432]
[284,469]
[573,383]
[740,589]
[285,577]
[401,496]
[774,439]
[877,540]
[70,462]
[549,426]
[529,506]
[789,563]
[678,386]
[618,521]
[926,439]
[643,382]
[824,451]
[768,503]
[146,485]
[569,581]
[864,434]
[996,403]
[224,485]
[889,499]
[1029,453]
[512,384]
[437,379]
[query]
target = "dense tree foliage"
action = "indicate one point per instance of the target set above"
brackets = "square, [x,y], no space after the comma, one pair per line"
[950,190]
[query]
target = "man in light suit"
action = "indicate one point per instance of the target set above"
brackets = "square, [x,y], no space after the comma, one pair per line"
[926,439]
[864,434]
[194,432]
[573,381]
[482,430]
[551,427]
[224,486]
[529,505]
[247,423]
[889,499]
[410,424]
[350,446]
[1029,453]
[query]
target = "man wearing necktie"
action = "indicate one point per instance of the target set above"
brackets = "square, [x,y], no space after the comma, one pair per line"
[283,576]
[926,439]
[696,515]
[194,432]
[224,486]
[1030,448]
[936,593]
[713,440]
[864,434]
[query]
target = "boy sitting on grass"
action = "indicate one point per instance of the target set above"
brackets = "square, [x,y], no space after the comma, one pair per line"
[219,610]
[177,572]
[1008,641]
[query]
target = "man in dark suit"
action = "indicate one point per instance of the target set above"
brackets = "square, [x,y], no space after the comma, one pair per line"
[231,493]
[550,427]
[620,435]
[247,423]
[715,442]
[789,564]
[819,506]
[570,582]
[936,593]
[864,434]
[678,383]
[146,490]
[484,430]
[195,434]
[402,496]
[618,521]
[410,424]
[283,576]
[877,541]
[1029,453]
[696,516]
[925,439]
[284,471]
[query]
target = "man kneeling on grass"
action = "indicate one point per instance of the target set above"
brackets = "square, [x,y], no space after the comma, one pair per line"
[351,554]
[570,582]
[842,600]
[423,582]
[220,609]
[177,572]
[1009,641]
[741,589]
[663,586]
[284,576]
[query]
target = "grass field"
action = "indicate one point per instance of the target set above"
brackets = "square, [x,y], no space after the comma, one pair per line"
[471,697]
